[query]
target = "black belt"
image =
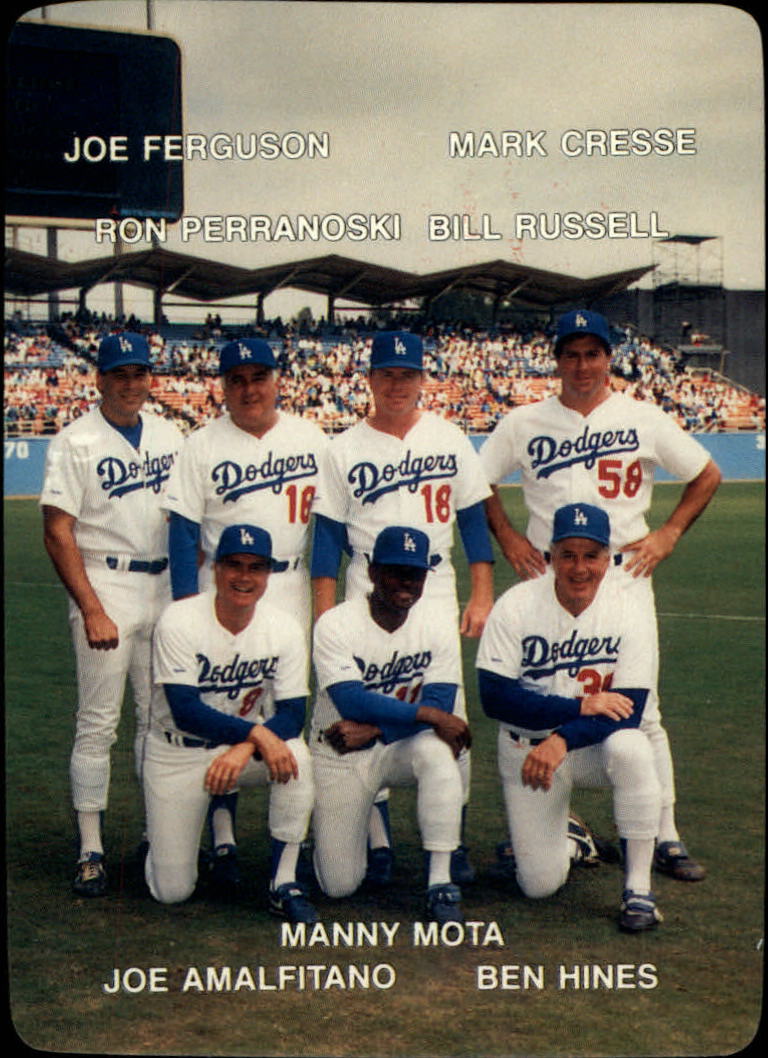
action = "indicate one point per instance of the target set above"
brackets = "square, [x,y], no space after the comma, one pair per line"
[190,743]
[526,741]
[137,565]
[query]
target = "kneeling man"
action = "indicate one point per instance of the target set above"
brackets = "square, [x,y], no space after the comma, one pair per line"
[565,665]
[228,705]
[387,676]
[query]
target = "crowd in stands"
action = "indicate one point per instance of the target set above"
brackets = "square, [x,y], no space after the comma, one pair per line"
[473,377]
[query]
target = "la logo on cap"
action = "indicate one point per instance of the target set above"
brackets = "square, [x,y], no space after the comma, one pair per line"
[580,518]
[409,544]
[400,347]
[245,537]
[125,345]
[581,321]
[245,352]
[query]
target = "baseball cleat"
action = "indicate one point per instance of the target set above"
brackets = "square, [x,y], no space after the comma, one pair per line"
[587,851]
[638,912]
[462,871]
[379,871]
[91,876]
[305,868]
[224,873]
[444,903]
[289,901]
[505,867]
[671,857]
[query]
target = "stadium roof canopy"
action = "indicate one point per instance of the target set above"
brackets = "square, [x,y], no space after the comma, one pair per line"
[530,288]
[167,272]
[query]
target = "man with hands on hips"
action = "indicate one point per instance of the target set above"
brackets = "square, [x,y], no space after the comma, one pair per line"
[592,444]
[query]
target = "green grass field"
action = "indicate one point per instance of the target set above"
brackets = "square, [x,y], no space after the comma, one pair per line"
[704,963]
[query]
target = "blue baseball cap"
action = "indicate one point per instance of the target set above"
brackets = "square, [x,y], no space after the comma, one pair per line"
[582,321]
[247,540]
[119,350]
[399,545]
[584,520]
[246,351]
[397,349]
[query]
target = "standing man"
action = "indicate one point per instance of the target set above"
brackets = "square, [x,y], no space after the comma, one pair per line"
[253,464]
[387,676]
[594,445]
[404,466]
[565,666]
[228,704]
[106,534]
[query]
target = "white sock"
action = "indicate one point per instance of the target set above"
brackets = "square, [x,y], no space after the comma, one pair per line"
[439,868]
[667,828]
[286,867]
[222,828]
[89,824]
[638,859]
[377,830]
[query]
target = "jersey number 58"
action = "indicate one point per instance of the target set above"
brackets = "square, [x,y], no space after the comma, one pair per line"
[609,472]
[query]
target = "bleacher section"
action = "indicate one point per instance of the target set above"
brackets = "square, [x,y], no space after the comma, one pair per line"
[472,379]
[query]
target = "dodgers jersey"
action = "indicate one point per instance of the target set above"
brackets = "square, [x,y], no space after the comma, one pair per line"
[606,458]
[240,674]
[532,638]
[114,491]
[350,645]
[225,475]
[374,479]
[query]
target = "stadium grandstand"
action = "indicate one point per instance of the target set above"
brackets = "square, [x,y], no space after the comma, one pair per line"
[479,366]
[474,376]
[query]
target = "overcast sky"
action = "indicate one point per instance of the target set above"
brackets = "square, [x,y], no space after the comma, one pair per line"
[389,81]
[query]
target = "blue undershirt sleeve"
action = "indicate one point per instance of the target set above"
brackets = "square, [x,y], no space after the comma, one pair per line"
[329,540]
[590,730]
[288,720]
[191,714]
[354,702]
[506,699]
[439,695]
[473,529]
[183,545]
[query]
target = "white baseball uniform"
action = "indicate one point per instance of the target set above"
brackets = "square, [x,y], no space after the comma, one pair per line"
[375,479]
[350,645]
[226,475]
[531,638]
[241,675]
[606,458]
[115,492]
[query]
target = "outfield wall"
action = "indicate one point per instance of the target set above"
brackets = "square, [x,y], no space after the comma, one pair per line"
[741,457]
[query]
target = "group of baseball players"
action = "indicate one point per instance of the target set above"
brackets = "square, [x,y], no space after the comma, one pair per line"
[205,570]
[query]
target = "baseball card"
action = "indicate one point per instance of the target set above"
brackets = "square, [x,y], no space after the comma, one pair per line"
[384,483]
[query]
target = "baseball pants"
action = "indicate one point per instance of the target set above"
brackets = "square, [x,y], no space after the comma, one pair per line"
[651,725]
[176,803]
[133,601]
[346,787]
[538,819]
